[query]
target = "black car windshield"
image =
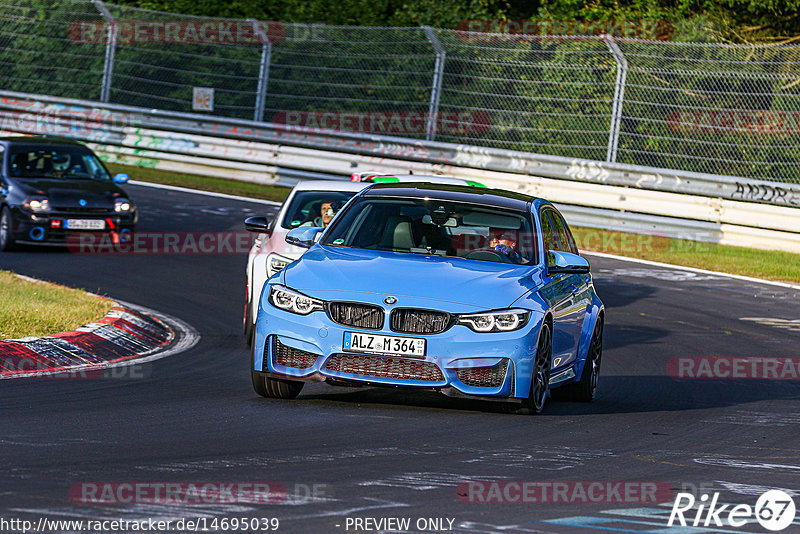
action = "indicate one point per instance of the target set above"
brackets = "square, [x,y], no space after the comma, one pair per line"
[62,163]
[306,207]
[433,227]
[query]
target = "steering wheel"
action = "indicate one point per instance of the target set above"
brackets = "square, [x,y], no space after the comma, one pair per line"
[487,254]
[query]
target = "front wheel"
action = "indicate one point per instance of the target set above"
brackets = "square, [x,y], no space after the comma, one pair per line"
[585,389]
[6,234]
[249,329]
[540,381]
[273,388]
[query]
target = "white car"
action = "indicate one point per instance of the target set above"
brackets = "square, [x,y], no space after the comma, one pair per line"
[270,253]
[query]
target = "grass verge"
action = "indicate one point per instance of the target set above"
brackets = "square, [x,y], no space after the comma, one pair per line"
[767,264]
[204,183]
[40,309]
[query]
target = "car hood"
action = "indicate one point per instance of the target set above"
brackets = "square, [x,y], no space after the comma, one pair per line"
[332,272]
[68,193]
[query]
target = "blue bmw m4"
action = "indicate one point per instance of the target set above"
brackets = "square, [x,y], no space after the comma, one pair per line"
[473,292]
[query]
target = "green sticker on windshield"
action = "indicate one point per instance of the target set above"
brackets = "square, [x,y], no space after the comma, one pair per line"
[295,223]
[338,241]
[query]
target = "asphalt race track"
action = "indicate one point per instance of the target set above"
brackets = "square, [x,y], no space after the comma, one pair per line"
[390,453]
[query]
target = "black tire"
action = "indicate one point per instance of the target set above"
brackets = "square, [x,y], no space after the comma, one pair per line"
[6,236]
[585,389]
[273,388]
[249,329]
[540,380]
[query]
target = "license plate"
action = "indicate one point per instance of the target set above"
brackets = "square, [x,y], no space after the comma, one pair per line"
[85,224]
[379,344]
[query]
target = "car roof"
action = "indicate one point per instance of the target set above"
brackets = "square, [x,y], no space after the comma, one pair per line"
[330,185]
[39,140]
[432,178]
[454,193]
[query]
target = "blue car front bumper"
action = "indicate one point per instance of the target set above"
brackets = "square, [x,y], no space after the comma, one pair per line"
[310,348]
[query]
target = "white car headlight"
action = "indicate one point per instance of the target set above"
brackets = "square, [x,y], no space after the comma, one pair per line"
[495,321]
[276,263]
[294,302]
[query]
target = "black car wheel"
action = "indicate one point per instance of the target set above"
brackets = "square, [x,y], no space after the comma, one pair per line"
[586,388]
[249,329]
[540,381]
[273,388]
[6,236]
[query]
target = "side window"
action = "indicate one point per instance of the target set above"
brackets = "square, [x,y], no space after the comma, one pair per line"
[548,234]
[564,235]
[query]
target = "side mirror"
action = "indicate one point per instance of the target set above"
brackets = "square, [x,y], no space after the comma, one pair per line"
[121,178]
[566,263]
[304,237]
[257,224]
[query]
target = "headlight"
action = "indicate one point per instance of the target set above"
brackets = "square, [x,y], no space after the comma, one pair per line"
[276,263]
[496,321]
[292,301]
[37,204]
[123,205]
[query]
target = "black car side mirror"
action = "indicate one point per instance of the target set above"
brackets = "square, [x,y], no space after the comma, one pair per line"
[257,223]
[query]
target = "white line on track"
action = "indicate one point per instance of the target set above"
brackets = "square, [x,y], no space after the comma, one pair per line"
[692,269]
[206,193]
[187,335]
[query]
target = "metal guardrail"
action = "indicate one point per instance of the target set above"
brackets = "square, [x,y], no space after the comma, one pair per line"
[50,110]
[264,153]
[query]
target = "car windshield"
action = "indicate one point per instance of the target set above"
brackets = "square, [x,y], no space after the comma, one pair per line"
[63,163]
[433,227]
[305,208]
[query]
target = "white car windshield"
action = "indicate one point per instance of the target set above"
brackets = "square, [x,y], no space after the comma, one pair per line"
[306,207]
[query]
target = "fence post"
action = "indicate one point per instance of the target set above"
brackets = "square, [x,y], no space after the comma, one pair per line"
[263,70]
[619,97]
[436,84]
[111,47]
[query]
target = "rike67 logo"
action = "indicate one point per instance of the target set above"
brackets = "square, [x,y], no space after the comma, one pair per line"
[775,510]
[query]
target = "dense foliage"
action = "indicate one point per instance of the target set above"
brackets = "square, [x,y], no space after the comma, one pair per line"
[723,20]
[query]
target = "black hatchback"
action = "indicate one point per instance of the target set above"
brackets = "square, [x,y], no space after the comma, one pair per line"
[51,189]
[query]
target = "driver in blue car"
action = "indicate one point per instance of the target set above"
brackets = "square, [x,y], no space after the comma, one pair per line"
[505,242]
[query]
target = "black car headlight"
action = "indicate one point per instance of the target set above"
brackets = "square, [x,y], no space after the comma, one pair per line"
[288,300]
[37,204]
[495,321]
[123,205]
